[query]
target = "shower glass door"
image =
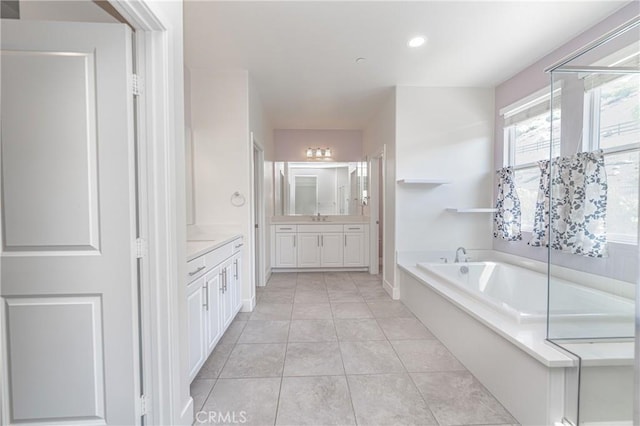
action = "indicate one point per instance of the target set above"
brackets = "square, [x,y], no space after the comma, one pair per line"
[589,196]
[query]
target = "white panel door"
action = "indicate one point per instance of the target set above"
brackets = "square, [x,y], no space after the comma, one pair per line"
[332,249]
[68,270]
[308,250]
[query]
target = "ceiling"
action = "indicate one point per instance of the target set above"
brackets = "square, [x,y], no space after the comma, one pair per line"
[301,55]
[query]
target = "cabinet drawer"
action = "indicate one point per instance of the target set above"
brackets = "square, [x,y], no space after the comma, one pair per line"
[286,228]
[320,228]
[195,268]
[236,245]
[219,255]
[354,228]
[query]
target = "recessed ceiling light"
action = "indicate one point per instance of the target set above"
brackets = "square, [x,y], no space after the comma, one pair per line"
[416,41]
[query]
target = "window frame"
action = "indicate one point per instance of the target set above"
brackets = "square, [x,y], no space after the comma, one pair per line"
[591,142]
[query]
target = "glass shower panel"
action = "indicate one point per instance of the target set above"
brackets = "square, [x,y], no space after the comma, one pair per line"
[593,222]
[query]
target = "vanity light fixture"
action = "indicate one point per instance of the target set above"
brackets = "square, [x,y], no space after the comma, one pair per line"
[416,41]
[318,153]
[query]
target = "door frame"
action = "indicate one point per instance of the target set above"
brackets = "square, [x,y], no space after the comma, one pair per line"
[257,204]
[375,185]
[161,173]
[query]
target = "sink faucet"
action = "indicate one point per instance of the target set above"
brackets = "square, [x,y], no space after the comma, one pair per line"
[464,254]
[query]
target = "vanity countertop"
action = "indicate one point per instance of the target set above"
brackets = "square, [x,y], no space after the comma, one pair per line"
[306,220]
[199,245]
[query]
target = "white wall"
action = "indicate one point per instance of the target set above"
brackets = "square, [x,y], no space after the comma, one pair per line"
[444,133]
[622,261]
[292,144]
[222,150]
[379,134]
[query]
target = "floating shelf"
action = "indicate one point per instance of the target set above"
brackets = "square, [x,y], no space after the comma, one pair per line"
[476,210]
[424,181]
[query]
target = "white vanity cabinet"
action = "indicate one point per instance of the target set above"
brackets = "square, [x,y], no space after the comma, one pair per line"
[213,298]
[320,245]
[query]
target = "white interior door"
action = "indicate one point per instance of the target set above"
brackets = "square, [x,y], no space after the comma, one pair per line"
[68,282]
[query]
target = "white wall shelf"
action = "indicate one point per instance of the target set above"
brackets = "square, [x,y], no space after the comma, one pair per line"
[424,181]
[471,210]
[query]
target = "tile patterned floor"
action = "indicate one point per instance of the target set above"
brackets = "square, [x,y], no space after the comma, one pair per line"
[333,349]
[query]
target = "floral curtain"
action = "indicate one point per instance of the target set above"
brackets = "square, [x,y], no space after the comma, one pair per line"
[573,190]
[506,221]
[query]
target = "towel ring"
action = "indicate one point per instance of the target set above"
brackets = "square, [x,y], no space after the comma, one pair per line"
[237,199]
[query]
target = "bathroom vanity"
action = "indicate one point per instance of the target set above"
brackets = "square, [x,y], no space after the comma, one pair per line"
[320,245]
[214,283]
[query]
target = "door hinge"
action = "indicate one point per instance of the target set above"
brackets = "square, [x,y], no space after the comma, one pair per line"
[144,403]
[141,248]
[136,84]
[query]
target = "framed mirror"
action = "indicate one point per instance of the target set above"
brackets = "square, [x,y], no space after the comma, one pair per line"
[325,188]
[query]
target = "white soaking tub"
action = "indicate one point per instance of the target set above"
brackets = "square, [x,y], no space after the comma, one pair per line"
[521,294]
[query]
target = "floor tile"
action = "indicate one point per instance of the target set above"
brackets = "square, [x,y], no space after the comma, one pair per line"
[277,296]
[312,311]
[392,309]
[255,360]
[213,365]
[345,296]
[241,401]
[341,286]
[312,331]
[230,337]
[313,359]
[311,297]
[265,332]
[358,329]
[425,355]
[404,329]
[364,276]
[272,311]
[283,284]
[388,399]
[311,286]
[370,357]
[351,310]
[243,316]
[320,400]
[374,294]
[200,389]
[457,398]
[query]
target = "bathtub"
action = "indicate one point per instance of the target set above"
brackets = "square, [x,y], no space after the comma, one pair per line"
[492,316]
[521,294]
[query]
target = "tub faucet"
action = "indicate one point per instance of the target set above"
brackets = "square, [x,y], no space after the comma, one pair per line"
[464,254]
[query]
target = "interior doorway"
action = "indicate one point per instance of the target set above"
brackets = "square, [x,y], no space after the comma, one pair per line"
[258,211]
[377,203]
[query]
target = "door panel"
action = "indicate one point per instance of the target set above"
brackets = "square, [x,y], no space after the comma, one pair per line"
[332,249]
[68,270]
[61,177]
[308,250]
[286,252]
[354,249]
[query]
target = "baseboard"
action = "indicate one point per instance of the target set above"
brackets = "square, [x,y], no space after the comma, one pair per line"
[267,276]
[354,269]
[393,291]
[248,304]
[187,414]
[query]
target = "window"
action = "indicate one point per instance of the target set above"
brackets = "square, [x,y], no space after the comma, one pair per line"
[527,135]
[612,123]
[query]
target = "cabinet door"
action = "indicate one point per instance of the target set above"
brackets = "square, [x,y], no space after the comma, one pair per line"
[354,249]
[332,249]
[227,293]
[196,325]
[308,250]
[286,253]
[237,282]
[212,308]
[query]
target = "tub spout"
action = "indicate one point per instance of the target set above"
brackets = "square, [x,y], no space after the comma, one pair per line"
[464,255]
